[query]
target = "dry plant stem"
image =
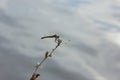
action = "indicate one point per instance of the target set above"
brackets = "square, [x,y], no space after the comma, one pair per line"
[47,54]
[38,65]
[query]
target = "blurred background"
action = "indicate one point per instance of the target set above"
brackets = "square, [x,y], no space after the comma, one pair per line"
[90,30]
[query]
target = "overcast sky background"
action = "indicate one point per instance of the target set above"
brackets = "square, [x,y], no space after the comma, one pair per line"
[92,26]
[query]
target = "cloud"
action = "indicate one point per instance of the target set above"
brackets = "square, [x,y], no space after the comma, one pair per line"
[3,3]
[113,36]
[9,20]
[90,48]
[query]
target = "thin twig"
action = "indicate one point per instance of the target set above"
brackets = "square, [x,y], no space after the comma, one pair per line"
[47,54]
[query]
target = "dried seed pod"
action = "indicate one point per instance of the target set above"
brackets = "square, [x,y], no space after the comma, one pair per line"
[34,76]
[59,41]
[46,54]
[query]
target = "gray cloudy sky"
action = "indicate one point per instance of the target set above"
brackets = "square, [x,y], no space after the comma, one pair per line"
[92,26]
